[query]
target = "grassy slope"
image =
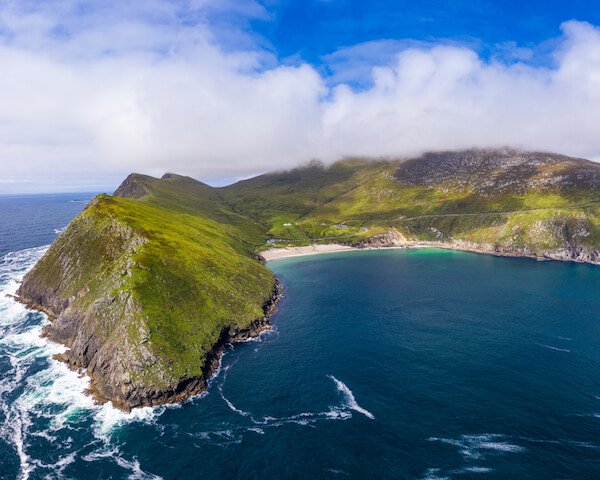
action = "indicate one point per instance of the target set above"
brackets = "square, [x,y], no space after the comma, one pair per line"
[194,277]
[183,253]
[523,204]
[293,196]
[191,275]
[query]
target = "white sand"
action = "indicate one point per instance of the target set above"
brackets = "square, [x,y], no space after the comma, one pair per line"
[462,246]
[275,253]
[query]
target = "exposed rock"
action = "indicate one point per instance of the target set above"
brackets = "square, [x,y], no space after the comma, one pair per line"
[114,366]
[132,187]
[570,252]
[391,238]
[496,171]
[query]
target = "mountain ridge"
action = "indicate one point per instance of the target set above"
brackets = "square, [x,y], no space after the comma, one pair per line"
[147,285]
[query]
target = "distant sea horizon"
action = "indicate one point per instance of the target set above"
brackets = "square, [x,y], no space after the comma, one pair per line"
[30,219]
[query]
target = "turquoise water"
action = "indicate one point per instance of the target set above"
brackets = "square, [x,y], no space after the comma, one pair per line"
[420,364]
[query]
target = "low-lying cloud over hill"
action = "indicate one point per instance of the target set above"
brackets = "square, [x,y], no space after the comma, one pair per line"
[90,93]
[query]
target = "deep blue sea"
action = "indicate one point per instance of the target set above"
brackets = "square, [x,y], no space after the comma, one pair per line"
[396,364]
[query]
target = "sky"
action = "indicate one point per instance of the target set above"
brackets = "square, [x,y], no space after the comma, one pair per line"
[226,89]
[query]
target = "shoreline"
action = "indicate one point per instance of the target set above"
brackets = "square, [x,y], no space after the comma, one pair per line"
[192,387]
[287,252]
[187,388]
[319,249]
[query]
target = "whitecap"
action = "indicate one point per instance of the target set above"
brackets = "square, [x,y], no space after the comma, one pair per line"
[434,474]
[475,446]
[340,412]
[64,461]
[218,437]
[232,406]
[337,471]
[475,470]
[553,348]
[336,413]
[349,398]
[136,472]
[108,418]
[133,466]
[500,446]
[54,392]
[98,455]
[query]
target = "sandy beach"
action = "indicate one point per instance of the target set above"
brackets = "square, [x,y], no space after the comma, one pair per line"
[462,246]
[276,253]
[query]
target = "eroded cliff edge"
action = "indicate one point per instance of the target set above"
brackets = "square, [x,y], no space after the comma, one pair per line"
[146,286]
[145,298]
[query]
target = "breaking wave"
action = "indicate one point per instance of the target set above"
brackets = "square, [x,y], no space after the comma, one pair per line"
[44,402]
[341,411]
[478,446]
[550,347]
[350,401]
[41,399]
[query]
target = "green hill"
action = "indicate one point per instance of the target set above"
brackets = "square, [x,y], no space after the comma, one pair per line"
[146,286]
[145,291]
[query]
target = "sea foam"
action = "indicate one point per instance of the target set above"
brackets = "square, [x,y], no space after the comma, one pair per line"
[40,396]
[476,446]
[550,347]
[349,398]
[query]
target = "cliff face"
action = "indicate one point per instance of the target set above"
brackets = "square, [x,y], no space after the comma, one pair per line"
[495,172]
[144,333]
[146,286]
[132,187]
[82,284]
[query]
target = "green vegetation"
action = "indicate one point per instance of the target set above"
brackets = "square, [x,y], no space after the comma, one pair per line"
[180,278]
[477,196]
[156,274]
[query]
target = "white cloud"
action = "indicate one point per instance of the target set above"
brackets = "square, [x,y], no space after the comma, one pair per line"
[87,97]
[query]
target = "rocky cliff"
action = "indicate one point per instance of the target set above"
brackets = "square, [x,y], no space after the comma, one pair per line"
[123,315]
[146,286]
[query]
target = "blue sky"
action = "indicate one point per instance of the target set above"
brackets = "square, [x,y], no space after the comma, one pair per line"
[312,29]
[315,31]
[221,90]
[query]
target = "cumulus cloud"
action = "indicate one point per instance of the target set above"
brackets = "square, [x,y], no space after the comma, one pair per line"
[87,95]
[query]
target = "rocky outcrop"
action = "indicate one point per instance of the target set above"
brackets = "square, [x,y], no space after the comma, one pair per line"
[86,284]
[132,187]
[492,172]
[116,367]
[570,252]
[391,238]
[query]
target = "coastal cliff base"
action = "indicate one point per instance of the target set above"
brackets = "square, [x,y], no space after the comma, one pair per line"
[395,239]
[112,381]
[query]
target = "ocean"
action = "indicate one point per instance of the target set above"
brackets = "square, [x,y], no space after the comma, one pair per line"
[391,364]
